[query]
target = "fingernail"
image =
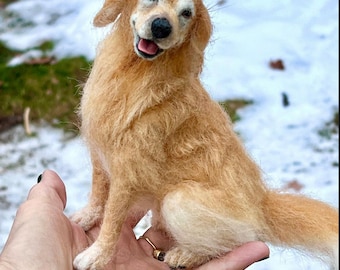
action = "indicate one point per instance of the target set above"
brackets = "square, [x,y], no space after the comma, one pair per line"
[265,258]
[39,178]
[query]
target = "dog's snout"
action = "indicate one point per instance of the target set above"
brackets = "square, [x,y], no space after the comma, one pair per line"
[161,28]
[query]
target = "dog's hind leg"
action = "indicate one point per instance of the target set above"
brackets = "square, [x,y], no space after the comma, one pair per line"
[202,225]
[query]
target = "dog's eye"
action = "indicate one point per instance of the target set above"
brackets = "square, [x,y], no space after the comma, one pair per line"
[148,2]
[186,13]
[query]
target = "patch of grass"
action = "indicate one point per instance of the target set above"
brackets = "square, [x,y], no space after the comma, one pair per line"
[6,54]
[46,46]
[232,105]
[50,90]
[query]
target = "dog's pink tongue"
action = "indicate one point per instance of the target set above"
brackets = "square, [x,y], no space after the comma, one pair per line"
[147,46]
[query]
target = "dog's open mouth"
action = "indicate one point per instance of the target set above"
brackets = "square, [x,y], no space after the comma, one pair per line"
[148,48]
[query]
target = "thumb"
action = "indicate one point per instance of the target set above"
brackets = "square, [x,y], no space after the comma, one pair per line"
[51,189]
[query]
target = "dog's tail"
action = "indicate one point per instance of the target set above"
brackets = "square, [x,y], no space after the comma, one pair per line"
[303,223]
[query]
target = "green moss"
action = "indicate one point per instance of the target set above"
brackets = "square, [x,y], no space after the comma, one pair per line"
[51,91]
[46,46]
[232,105]
[6,54]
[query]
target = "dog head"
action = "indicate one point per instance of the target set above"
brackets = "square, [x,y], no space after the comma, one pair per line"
[160,25]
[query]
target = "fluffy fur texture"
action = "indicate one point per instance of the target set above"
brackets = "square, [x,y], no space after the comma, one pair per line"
[159,142]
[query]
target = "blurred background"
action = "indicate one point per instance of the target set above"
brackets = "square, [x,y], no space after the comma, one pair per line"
[273,65]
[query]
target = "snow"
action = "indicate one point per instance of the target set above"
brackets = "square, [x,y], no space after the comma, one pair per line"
[285,141]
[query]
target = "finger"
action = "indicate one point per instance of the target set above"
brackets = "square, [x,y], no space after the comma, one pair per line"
[51,189]
[132,250]
[158,238]
[240,258]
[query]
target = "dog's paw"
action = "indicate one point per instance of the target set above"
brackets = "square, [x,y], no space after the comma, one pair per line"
[90,259]
[87,217]
[178,258]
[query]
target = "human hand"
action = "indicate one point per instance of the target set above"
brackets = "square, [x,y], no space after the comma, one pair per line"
[42,237]
[238,259]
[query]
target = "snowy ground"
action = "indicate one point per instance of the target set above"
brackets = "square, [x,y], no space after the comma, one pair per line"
[285,141]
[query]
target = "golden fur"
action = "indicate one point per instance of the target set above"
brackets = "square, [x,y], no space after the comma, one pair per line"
[158,141]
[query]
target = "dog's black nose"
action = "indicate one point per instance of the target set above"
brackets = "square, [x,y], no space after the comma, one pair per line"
[161,28]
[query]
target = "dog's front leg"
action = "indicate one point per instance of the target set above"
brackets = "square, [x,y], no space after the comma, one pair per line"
[92,213]
[115,213]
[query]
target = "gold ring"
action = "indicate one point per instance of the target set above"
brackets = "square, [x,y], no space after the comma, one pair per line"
[157,254]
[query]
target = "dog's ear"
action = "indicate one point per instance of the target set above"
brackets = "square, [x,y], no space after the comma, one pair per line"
[203,28]
[108,13]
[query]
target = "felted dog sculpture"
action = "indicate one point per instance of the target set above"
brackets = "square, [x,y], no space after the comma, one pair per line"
[158,141]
